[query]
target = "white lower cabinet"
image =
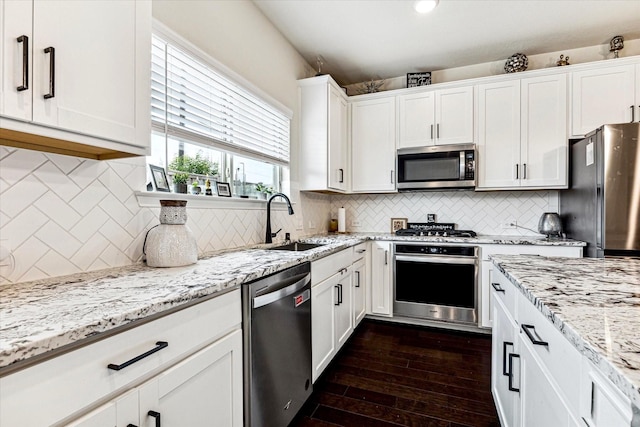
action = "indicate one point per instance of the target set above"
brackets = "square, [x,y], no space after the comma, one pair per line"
[359,279]
[331,308]
[191,370]
[535,370]
[381,279]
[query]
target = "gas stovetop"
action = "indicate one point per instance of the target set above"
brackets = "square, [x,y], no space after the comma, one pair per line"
[434,229]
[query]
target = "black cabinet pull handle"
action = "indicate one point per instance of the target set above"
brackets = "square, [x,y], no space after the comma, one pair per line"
[506,372]
[517,171]
[358,281]
[337,295]
[524,171]
[534,340]
[497,287]
[155,415]
[131,425]
[438,131]
[25,62]
[511,357]
[431,131]
[341,175]
[159,346]
[52,72]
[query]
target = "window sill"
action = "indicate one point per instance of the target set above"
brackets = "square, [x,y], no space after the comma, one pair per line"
[151,199]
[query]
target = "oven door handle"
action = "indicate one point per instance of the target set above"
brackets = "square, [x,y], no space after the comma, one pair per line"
[437,259]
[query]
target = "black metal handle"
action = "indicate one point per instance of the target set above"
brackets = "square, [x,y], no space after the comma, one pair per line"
[341,175]
[52,72]
[25,62]
[534,340]
[438,131]
[496,287]
[159,346]
[338,295]
[391,176]
[431,131]
[517,171]
[524,171]
[505,371]
[386,254]
[358,281]
[131,425]
[511,357]
[155,415]
[633,117]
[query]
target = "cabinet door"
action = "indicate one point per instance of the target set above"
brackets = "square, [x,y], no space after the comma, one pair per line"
[454,116]
[121,412]
[324,299]
[601,96]
[359,280]
[381,291]
[15,23]
[542,405]
[499,135]
[204,389]
[91,83]
[544,138]
[504,341]
[416,115]
[373,145]
[337,140]
[344,309]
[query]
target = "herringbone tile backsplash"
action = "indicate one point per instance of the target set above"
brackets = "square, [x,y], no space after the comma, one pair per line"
[61,215]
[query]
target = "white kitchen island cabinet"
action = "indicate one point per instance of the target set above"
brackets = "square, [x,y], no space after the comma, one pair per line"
[76,76]
[192,364]
[323,135]
[606,92]
[522,133]
[436,117]
[373,145]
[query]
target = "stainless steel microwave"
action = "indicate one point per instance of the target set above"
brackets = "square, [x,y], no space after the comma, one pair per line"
[437,167]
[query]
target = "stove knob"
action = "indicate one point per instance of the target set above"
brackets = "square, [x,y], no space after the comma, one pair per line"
[429,233]
[433,250]
[445,234]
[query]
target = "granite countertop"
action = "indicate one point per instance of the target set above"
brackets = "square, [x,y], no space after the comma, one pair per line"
[594,303]
[41,316]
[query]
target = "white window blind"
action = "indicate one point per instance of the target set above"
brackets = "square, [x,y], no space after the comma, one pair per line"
[191,100]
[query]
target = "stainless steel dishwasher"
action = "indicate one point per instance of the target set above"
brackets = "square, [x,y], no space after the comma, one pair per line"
[277,346]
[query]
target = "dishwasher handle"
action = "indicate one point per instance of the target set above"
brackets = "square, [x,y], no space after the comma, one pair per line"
[280,293]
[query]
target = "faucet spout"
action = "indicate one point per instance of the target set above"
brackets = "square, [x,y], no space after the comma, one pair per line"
[268,238]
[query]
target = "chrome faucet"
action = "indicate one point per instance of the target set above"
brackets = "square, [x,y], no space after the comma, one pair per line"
[269,235]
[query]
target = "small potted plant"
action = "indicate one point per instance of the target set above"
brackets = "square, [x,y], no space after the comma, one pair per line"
[195,187]
[263,190]
[180,182]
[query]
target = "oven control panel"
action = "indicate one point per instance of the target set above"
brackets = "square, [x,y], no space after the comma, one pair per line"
[436,250]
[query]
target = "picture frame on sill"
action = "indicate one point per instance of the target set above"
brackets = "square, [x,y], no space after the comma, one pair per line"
[159,178]
[419,79]
[223,189]
[398,224]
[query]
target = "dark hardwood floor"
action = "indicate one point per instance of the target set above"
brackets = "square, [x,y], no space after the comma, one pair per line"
[389,374]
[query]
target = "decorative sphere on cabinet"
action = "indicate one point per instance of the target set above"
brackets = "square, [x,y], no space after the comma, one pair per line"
[516,63]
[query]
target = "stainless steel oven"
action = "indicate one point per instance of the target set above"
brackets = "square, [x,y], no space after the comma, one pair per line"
[436,282]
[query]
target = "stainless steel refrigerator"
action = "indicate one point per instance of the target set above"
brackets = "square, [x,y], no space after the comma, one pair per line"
[602,204]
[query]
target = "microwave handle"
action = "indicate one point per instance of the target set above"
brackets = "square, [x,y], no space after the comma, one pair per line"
[463,164]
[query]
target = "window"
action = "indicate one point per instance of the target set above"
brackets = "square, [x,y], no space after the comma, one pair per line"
[198,112]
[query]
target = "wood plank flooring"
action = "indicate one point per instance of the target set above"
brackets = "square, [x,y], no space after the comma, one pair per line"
[389,374]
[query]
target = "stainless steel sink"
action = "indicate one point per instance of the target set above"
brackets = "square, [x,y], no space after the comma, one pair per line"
[296,247]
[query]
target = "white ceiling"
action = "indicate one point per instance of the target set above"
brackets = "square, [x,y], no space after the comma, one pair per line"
[377,39]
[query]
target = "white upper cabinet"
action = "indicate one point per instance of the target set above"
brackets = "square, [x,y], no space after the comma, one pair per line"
[604,94]
[323,135]
[436,117]
[78,71]
[373,145]
[522,133]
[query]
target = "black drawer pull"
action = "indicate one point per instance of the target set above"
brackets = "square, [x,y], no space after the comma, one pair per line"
[52,72]
[505,371]
[159,346]
[511,357]
[131,425]
[25,62]
[534,340]
[155,415]
[497,287]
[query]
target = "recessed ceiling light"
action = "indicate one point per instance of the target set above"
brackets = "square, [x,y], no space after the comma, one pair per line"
[425,6]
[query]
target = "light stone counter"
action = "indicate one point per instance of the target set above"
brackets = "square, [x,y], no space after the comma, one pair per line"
[46,315]
[594,303]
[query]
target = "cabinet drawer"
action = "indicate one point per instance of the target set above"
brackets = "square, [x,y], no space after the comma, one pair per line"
[73,382]
[360,251]
[505,291]
[326,267]
[553,351]
[567,251]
